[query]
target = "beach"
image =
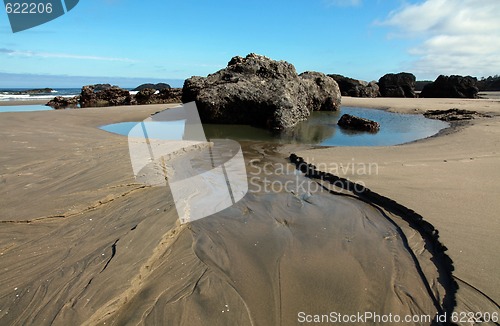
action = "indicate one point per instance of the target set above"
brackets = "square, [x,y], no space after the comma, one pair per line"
[84,243]
[32,102]
[451,180]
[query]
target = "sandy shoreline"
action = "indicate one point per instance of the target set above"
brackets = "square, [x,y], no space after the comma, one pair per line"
[84,243]
[420,105]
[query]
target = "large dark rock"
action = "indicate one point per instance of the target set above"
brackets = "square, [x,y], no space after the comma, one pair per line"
[451,86]
[60,102]
[259,91]
[356,123]
[397,85]
[490,84]
[157,87]
[356,88]
[153,96]
[113,96]
[420,84]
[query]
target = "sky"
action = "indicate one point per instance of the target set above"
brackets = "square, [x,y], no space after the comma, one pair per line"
[129,42]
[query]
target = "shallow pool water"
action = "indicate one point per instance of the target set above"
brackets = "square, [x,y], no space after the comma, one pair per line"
[24,108]
[321,129]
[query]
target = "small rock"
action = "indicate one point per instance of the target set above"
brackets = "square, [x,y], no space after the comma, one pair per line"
[60,102]
[356,123]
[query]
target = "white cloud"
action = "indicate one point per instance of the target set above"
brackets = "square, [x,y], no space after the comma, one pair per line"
[458,36]
[11,52]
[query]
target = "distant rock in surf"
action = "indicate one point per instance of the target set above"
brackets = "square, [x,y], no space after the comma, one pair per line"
[34,91]
[157,87]
[112,96]
[259,91]
[397,85]
[153,96]
[451,87]
[356,123]
[101,95]
[101,87]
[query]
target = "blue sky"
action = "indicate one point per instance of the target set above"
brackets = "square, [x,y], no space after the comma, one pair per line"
[127,42]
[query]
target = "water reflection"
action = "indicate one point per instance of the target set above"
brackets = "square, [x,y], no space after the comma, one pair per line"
[321,129]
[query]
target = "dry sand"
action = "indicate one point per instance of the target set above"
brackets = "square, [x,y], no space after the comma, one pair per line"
[83,243]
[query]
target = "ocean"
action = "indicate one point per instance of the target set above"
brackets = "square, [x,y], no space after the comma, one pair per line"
[15,94]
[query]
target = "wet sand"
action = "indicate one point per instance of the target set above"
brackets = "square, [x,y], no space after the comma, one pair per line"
[33,102]
[451,180]
[82,242]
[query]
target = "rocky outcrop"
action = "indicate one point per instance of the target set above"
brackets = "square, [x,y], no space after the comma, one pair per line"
[451,87]
[170,95]
[490,84]
[39,91]
[145,96]
[356,88]
[356,123]
[453,115]
[113,96]
[60,102]
[157,87]
[153,96]
[323,93]
[88,97]
[259,91]
[397,85]
[101,87]
[420,84]
[34,91]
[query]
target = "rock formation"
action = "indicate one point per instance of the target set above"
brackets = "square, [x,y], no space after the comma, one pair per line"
[113,96]
[259,91]
[451,86]
[356,88]
[453,114]
[101,87]
[34,91]
[153,96]
[157,87]
[323,93]
[60,102]
[397,85]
